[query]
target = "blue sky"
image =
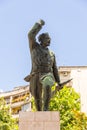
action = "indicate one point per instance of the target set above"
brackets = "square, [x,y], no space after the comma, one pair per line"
[66,22]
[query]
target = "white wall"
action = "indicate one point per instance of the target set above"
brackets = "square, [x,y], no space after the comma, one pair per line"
[80,84]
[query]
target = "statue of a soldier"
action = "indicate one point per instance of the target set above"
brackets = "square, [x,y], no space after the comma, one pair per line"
[44,72]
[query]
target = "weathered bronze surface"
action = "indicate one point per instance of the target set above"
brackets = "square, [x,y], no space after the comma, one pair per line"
[44,72]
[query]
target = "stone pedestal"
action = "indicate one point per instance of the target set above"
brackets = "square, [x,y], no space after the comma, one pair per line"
[39,120]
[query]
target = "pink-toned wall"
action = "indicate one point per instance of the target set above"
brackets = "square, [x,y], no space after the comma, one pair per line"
[39,120]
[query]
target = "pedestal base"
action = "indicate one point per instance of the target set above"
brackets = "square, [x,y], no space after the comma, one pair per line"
[39,120]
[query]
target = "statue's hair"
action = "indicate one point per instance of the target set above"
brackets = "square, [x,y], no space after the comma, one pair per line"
[42,36]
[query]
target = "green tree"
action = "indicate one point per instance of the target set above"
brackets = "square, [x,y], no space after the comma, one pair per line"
[6,120]
[67,102]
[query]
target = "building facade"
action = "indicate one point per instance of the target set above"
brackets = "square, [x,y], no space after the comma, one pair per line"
[79,81]
[18,99]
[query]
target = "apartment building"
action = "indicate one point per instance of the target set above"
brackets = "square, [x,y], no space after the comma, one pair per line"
[79,82]
[18,99]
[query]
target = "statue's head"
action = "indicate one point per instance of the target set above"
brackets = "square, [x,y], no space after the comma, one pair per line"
[44,39]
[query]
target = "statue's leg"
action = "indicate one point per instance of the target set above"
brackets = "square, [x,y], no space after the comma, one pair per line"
[36,91]
[38,97]
[46,97]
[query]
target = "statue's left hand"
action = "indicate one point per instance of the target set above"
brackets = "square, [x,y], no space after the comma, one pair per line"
[59,86]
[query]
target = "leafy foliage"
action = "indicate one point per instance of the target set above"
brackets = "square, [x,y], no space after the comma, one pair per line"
[67,102]
[6,120]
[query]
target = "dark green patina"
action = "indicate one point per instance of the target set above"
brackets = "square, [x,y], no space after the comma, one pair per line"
[44,72]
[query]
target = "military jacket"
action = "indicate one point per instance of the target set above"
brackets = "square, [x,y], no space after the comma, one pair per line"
[43,60]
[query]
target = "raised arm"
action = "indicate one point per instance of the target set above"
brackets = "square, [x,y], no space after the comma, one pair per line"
[33,32]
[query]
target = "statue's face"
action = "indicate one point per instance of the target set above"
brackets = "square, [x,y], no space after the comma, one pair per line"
[46,40]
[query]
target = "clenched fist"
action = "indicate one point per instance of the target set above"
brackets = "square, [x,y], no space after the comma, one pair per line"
[41,22]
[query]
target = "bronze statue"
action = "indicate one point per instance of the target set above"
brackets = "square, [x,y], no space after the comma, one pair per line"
[44,72]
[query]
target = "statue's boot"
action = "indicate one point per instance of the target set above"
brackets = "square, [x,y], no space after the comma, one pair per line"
[38,104]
